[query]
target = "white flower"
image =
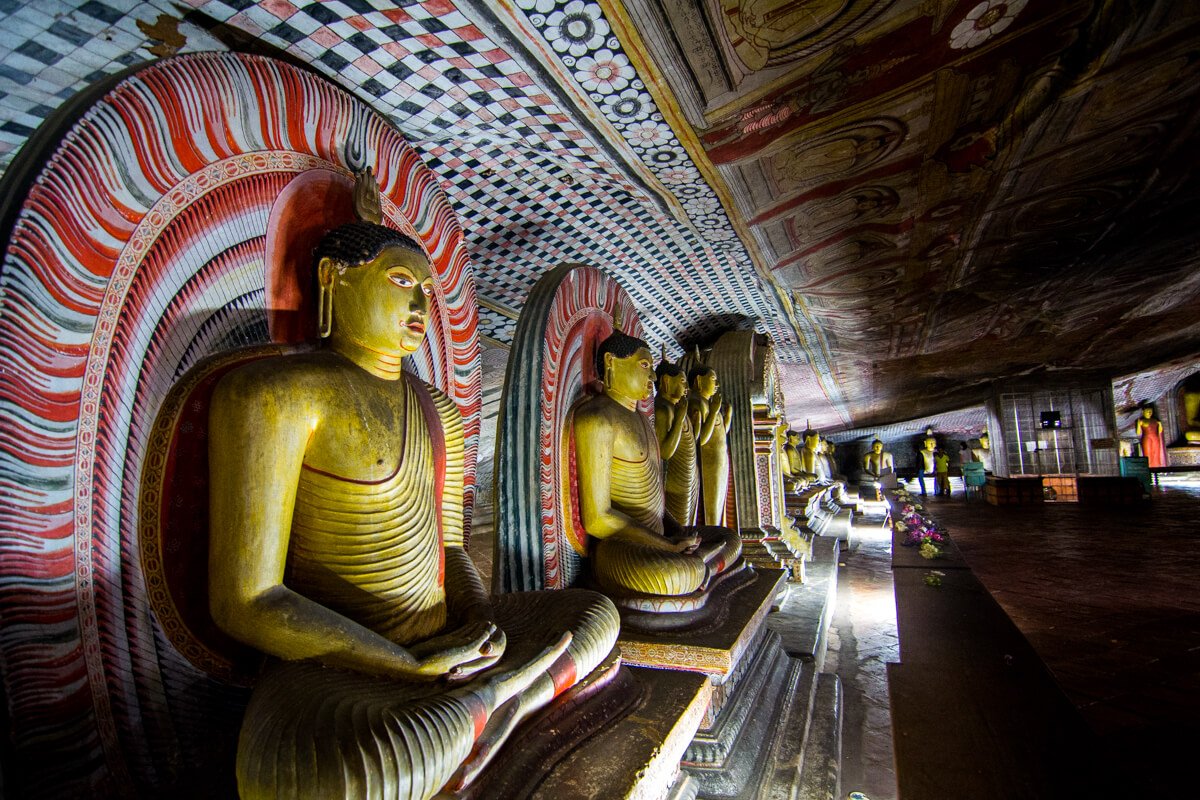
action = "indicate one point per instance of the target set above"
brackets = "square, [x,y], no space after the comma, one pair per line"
[985,21]
[678,175]
[605,72]
[628,106]
[697,206]
[576,29]
[648,134]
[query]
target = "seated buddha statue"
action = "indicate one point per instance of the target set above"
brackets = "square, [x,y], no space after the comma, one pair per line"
[877,463]
[711,417]
[811,463]
[638,550]
[337,550]
[1191,413]
[676,443]
[794,461]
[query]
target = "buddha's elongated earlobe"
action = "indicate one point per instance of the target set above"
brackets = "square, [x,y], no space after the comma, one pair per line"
[324,311]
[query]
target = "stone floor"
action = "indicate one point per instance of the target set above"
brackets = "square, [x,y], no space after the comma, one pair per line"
[1110,600]
[862,639]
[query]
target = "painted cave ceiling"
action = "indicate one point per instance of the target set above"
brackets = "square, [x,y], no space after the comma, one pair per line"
[912,198]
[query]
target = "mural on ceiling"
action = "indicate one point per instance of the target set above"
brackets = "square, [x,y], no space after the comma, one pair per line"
[954,190]
[541,131]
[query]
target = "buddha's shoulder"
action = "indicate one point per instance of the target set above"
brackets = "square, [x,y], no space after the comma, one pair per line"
[287,378]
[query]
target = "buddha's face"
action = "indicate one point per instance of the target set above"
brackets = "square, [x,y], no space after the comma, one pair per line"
[877,448]
[930,443]
[673,388]
[812,441]
[983,441]
[632,376]
[383,304]
[793,438]
[1147,413]
[706,384]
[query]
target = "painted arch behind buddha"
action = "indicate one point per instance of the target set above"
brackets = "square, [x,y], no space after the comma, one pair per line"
[168,224]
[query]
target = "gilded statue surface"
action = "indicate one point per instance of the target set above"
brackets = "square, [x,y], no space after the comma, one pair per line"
[711,416]
[621,497]
[392,672]
[878,462]
[1191,414]
[983,453]
[677,444]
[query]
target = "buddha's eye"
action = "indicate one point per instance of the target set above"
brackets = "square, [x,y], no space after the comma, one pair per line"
[402,280]
[427,288]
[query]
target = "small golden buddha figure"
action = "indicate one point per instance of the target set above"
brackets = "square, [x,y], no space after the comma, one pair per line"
[811,463]
[828,463]
[392,672]
[676,443]
[926,459]
[711,417]
[1191,415]
[1150,431]
[621,499]
[878,463]
[983,453]
[794,460]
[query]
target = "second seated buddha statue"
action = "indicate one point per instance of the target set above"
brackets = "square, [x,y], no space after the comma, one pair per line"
[337,549]
[639,550]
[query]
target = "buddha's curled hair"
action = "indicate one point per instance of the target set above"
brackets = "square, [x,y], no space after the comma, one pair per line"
[665,367]
[356,243]
[620,345]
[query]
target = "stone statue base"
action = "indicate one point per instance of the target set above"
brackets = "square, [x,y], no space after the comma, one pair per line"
[621,736]
[750,741]
[1188,456]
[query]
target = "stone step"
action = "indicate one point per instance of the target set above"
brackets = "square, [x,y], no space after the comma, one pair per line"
[803,619]
[821,762]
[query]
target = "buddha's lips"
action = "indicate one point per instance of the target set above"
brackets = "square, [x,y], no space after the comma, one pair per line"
[416,326]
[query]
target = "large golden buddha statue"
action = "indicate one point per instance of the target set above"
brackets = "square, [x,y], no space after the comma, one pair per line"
[337,549]
[676,443]
[711,417]
[621,499]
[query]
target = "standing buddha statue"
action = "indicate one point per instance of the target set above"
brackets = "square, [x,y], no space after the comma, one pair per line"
[1150,431]
[711,417]
[676,443]
[337,549]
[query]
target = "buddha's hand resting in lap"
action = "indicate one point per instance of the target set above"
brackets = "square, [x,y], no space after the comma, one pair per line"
[460,653]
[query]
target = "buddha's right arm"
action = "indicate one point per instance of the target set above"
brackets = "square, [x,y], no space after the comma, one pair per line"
[257,442]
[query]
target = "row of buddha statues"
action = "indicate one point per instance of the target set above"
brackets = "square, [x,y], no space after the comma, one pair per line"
[806,459]
[337,545]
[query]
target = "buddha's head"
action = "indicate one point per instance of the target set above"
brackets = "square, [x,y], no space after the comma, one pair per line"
[877,447]
[812,439]
[672,381]
[1147,412]
[627,367]
[930,443]
[984,441]
[793,438]
[704,381]
[375,287]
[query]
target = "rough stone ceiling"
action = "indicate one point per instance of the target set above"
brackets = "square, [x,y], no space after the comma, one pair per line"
[924,195]
[954,191]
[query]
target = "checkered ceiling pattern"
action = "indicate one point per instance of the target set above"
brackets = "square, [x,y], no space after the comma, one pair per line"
[543,134]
